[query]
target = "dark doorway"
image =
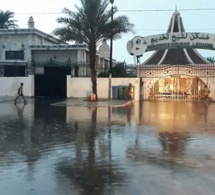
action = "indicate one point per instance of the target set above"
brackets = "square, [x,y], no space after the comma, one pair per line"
[53,83]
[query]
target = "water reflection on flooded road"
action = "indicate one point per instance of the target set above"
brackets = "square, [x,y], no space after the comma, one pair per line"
[148,148]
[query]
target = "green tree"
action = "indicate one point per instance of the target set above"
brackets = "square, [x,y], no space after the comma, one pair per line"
[90,25]
[211,59]
[118,70]
[6,20]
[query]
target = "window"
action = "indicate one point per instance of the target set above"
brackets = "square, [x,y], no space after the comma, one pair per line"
[14,71]
[14,55]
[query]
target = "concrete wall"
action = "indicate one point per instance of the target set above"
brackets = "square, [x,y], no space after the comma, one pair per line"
[76,87]
[58,55]
[80,87]
[10,85]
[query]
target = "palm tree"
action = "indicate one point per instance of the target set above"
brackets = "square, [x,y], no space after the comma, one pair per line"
[6,20]
[211,59]
[90,25]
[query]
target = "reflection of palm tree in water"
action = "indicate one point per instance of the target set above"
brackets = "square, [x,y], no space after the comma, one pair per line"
[91,137]
[90,175]
[173,144]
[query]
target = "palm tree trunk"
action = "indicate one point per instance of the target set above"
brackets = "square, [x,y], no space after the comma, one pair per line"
[92,137]
[92,51]
[94,82]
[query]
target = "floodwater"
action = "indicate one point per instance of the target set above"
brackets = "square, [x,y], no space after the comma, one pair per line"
[151,148]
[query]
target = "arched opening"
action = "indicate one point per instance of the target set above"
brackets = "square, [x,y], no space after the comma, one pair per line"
[179,87]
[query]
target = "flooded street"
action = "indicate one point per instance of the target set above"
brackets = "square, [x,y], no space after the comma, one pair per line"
[158,148]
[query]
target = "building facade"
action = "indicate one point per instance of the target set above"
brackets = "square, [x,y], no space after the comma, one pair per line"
[41,61]
[175,71]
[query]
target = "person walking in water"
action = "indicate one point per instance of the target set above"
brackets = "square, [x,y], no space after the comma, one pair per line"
[20,93]
[129,92]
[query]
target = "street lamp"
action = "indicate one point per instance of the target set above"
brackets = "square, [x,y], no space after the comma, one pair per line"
[111,51]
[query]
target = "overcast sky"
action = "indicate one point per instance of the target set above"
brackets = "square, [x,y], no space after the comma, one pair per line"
[146,22]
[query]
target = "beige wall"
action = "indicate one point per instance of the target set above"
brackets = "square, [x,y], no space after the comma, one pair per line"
[76,87]
[80,87]
[9,85]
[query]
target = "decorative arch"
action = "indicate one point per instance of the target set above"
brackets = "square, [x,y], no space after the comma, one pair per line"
[175,57]
[170,87]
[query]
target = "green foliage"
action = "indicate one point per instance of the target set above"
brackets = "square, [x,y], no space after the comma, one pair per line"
[117,71]
[103,74]
[6,20]
[211,59]
[92,23]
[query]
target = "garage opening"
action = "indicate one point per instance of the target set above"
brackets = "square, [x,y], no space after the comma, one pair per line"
[52,83]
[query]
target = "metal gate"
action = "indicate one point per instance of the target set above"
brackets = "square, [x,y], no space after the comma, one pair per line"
[50,78]
[177,82]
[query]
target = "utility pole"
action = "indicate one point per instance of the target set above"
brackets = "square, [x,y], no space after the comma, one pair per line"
[111,51]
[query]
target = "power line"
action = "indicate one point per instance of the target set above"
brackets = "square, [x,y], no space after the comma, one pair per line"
[142,29]
[167,10]
[140,10]
[37,13]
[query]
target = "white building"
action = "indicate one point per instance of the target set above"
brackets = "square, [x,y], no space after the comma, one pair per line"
[41,61]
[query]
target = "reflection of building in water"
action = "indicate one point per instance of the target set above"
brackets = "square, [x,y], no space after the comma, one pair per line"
[92,170]
[173,144]
[175,116]
[17,139]
[162,148]
[170,116]
[180,73]
[118,116]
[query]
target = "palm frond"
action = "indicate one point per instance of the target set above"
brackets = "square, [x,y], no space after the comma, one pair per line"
[92,22]
[6,20]
[211,59]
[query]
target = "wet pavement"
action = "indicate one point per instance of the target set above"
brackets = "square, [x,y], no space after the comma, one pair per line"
[75,147]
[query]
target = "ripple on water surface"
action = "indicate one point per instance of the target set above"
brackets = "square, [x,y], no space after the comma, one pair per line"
[152,148]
